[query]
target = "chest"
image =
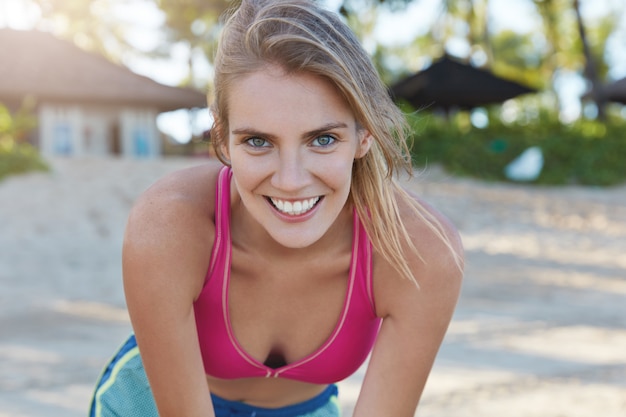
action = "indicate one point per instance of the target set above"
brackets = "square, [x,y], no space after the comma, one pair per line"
[283,311]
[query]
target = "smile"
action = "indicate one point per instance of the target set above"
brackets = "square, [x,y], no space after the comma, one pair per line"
[294,208]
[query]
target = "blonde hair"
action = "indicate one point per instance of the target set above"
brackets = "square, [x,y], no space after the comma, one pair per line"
[299,36]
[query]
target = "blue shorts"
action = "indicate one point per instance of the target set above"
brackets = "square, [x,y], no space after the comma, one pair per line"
[123,391]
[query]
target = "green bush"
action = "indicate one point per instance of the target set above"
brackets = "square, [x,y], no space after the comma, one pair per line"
[584,152]
[18,158]
[16,155]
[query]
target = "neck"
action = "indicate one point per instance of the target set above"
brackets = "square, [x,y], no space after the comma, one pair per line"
[248,235]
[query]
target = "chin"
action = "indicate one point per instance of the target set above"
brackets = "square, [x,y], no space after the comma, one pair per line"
[298,241]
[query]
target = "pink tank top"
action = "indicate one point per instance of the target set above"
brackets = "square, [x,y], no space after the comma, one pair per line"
[337,358]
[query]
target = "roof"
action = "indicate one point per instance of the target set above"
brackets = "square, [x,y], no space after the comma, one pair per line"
[449,83]
[616,91]
[37,63]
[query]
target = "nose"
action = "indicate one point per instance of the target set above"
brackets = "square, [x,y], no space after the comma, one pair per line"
[291,173]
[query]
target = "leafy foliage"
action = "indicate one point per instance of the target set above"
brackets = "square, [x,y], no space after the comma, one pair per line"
[92,25]
[16,155]
[586,152]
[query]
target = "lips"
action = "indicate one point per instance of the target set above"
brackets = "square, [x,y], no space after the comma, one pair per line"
[294,207]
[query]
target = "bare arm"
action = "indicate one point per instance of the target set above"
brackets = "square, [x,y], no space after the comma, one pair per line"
[165,256]
[415,322]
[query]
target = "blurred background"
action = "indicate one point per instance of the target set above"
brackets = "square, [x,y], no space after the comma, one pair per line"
[518,115]
[504,75]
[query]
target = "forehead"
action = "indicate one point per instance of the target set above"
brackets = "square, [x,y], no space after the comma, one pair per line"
[272,96]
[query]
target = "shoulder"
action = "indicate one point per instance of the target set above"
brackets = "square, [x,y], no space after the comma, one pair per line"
[436,239]
[192,186]
[436,262]
[171,225]
[187,195]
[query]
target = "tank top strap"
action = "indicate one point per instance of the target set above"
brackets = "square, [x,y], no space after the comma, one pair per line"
[221,241]
[364,251]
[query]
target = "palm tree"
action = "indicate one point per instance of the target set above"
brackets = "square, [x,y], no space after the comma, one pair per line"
[590,69]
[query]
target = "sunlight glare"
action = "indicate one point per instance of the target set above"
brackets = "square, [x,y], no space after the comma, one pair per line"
[18,14]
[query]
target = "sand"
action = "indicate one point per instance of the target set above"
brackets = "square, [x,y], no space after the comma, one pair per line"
[540,330]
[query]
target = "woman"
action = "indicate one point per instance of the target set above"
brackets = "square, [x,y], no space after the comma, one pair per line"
[255,285]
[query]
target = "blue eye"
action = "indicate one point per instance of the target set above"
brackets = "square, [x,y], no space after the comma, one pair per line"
[324,140]
[257,142]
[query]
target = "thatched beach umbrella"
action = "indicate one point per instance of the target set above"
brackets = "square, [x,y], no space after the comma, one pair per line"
[616,91]
[449,84]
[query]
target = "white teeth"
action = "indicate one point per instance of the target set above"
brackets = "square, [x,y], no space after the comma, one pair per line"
[295,208]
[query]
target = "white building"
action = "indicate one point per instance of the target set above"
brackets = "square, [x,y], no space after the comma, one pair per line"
[86,105]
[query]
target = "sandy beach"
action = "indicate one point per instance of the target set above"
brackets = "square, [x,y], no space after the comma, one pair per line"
[540,330]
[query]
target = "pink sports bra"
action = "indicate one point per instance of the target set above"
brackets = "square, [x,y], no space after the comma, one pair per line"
[337,358]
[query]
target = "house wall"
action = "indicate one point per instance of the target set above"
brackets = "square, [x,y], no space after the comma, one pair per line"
[139,134]
[85,130]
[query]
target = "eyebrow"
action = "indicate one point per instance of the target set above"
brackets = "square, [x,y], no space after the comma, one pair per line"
[311,133]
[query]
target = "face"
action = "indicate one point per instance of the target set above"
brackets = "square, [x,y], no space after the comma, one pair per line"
[292,142]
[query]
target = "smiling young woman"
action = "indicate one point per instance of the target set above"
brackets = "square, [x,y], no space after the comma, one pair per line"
[292,144]
[256,284]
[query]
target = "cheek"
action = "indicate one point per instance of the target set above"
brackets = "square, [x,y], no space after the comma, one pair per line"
[337,172]
[244,176]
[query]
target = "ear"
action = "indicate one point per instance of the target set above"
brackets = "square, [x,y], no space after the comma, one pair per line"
[365,143]
[223,144]
[220,141]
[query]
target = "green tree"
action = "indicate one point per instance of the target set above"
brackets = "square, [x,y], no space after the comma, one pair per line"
[563,41]
[467,19]
[196,24]
[516,56]
[16,155]
[93,25]
[595,67]
[103,26]
[575,44]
